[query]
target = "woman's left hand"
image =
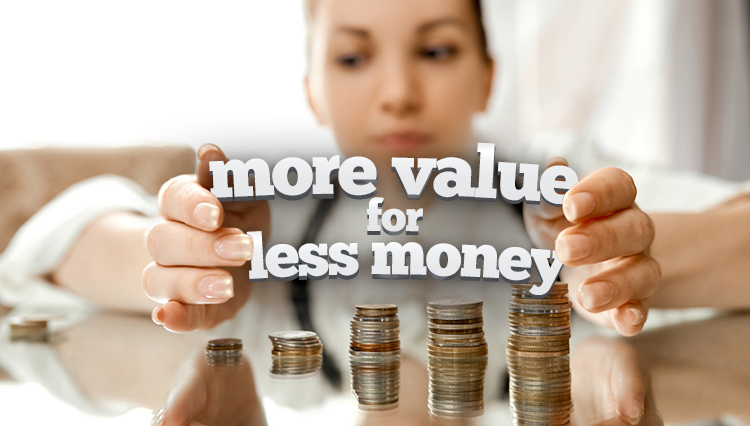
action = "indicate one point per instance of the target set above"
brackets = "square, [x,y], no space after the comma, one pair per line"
[603,238]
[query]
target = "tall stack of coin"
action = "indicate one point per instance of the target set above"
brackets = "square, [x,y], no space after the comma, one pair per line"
[295,354]
[457,358]
[375,356]
[538,356]
[224,352]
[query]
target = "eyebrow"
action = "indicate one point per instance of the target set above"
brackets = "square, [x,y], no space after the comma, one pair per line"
[354,31]
[439,22]
[429,26]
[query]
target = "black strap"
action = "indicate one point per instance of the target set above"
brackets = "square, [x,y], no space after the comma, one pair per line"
[301,291]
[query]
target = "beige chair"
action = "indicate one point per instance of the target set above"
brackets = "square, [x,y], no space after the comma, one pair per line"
[30,178]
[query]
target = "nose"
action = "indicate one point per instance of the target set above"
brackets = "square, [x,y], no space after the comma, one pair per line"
[401,94]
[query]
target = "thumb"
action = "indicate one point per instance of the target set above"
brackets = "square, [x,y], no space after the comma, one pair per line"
[544,210]
[246,215]
[544,221]
[207,153]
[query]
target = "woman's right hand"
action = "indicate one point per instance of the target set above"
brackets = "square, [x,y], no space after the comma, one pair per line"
[200,250]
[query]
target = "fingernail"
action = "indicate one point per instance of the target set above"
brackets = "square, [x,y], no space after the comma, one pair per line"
[636,411]
[596,294]
[235,247]
[636,316]
[573,247]
[207,215]
[204,148]
[157,315]
[578,205]
[216,287]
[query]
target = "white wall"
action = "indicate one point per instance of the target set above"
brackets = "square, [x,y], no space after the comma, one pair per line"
[92,72]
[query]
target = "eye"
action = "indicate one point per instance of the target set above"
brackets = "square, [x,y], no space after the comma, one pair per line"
[352,60]
[439,53]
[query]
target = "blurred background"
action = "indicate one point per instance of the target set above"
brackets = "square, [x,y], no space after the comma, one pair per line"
[656,83]
[662,83]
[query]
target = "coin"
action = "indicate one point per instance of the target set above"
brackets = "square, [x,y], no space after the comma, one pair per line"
[296,354]
[29,329]
[537,356]
[224,352]
[457,358]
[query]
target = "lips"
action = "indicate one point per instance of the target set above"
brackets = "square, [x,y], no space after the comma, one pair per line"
[403,141]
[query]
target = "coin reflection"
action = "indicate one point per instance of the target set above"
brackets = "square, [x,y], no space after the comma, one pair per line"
[375,357]
[295,354]
[457,358]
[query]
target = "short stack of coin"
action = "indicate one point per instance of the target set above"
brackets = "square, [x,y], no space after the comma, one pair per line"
[457,358]
[224,352]
[29,329]
[295,354]
[375,356]
[538,356]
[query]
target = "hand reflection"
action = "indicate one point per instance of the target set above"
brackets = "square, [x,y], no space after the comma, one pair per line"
[213,395]
[611,385]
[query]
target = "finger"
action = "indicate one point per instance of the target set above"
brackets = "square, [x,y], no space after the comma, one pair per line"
[544,232]
[182,199]
[603,192]
[632,278]
[187,285]
[247,215]
[207,153]
[624,233]
[175,244]
[545,210]
[650,418]
[630,318]
[179,413]
[184,403]
[629,386]
[182,318]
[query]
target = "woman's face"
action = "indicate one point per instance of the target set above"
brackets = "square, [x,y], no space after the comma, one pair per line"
[398,78]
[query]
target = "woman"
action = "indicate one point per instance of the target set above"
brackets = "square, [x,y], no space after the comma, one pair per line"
[404,78]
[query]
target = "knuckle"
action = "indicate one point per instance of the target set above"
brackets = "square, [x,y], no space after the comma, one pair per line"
[152,236]
[610,237]
[191,196]
[655,268]
[195,240]
[146,235]
[639,226]
[165,192]
[147,278]
[627,182]
[649,227]
[173,191]
[643,229]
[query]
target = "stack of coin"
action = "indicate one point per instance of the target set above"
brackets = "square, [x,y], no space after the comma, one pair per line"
[375,357]
[538,356]
[457,358]
[224,352]
[29,329]
[295,354]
